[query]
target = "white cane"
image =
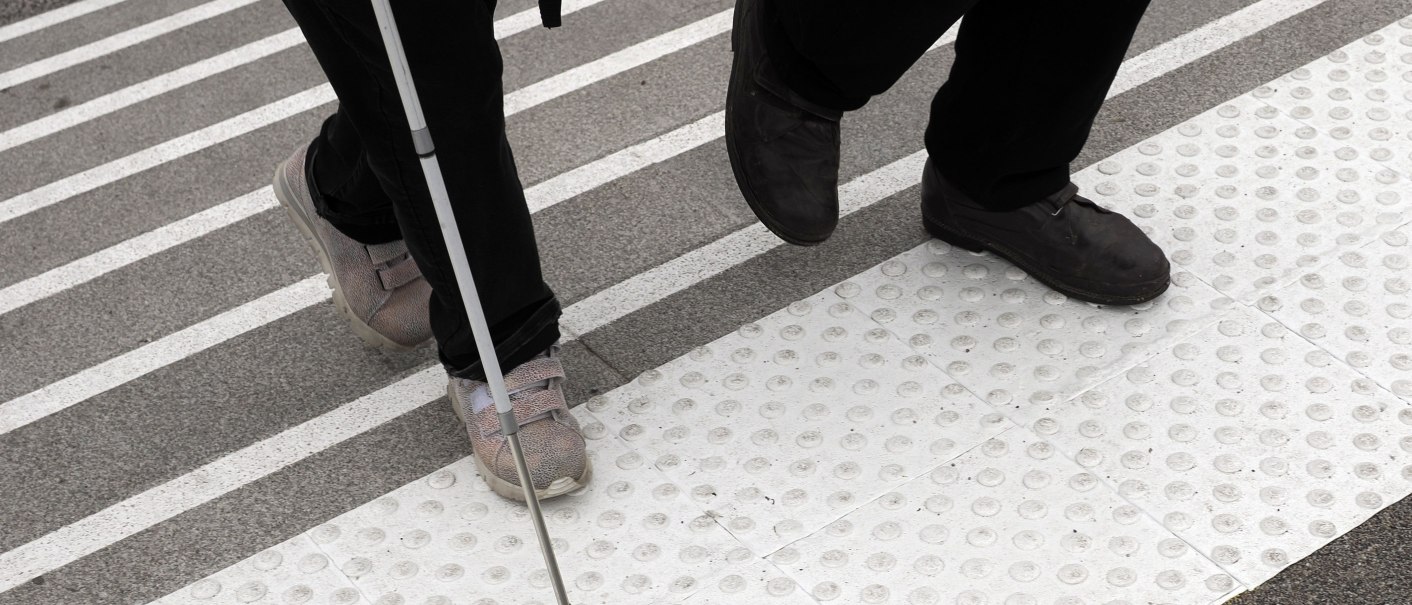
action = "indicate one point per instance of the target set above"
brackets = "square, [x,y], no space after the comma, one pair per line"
[421,140]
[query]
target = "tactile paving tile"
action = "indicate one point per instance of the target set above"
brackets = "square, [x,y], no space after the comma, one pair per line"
[1012,340]
[1012,522]
[631,536]
[1360,95]
[291,573]
[795,420]
[751,582]
[1248,198]
[1246,441]
[1359,309]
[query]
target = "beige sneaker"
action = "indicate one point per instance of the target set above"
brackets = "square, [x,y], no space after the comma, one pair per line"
[554,449]
[378,288]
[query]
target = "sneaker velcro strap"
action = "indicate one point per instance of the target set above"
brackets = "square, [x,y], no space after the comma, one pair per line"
[528,406]
[399,275]
[532,371]
[386,253]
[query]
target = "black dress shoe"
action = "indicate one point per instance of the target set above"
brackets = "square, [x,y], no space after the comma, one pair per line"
[1070,243]
[783,149]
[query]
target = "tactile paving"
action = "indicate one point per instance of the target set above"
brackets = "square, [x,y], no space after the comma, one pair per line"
[1246,441]
[1360,95]
[1008,338]
[751,582]
[795,420]
[1358,308]
[631,536]
[294,572]
[1010,522]
[1248,198]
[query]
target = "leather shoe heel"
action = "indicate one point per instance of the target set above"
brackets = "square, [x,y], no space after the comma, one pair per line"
[1065,241]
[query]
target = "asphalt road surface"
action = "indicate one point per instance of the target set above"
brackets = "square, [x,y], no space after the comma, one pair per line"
[184,417]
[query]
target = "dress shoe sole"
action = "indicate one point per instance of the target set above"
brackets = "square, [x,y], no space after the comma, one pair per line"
[745,190]
[956,238]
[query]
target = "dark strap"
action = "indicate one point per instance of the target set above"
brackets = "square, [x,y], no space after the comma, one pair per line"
[549,12]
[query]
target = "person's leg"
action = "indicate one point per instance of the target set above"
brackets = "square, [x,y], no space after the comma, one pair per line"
[798,65]
[840,53]
[364,166]
[1028,79]
[456,64]
[1027,82]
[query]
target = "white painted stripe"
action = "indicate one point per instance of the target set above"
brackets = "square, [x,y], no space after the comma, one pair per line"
[167,151]
[148,89]
[89,267]
[162,352]
[118,41]
[618,62]
[126,518]
[1205,39]
[206,68]
[682,272]
[217,478]
[614,166]
[199,337]
[540,92]
[52,18]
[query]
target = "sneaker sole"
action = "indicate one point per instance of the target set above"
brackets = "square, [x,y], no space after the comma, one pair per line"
[510,491]
[364,331]
[955,238]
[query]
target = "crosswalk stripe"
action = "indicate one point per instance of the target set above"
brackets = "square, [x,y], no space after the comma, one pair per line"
[195,72]
[118,41]
[540,92]
[159,353]
[53,17]
[147,89]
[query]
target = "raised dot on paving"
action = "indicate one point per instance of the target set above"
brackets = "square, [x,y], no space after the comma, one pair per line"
[794,420]
[291,573]
[1360,95]
[1010,522]
[1359,308]
[630,536]
[1008,338]
[750,582]
[1248,442]
[1247,198]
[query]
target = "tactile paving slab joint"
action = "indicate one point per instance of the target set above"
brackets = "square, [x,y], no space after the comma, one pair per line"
[1246,441]
[294,572]
[1012,340]
[631,536]
[1012,522]
[1359,309]
[797,419]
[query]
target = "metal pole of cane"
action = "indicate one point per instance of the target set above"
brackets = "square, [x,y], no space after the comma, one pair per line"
[421,140]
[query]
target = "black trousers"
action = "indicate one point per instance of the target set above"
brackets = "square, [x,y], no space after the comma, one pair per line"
[1028,80]
[368,181]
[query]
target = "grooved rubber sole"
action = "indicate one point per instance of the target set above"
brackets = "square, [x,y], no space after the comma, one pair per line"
[950,236]
[511,491]
[364,331]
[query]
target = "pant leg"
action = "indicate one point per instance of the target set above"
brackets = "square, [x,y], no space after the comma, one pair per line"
[456,64]
[346,192]
[1028,80]
[840,53]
